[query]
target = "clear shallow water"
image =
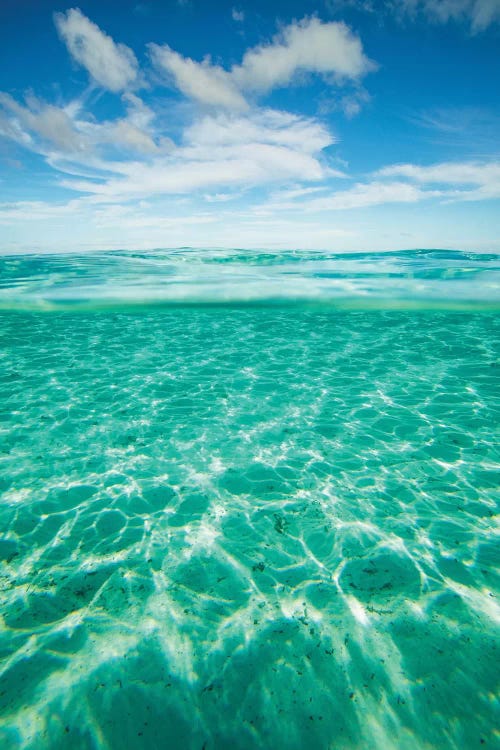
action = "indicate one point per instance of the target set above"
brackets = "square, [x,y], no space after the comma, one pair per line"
[250,526]
[427,279]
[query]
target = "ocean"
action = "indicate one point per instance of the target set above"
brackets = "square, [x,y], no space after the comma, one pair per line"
[249,499]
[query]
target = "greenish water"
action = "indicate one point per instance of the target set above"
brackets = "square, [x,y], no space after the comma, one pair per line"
[249,521]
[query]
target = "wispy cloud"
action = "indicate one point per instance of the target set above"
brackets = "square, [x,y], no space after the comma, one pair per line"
[263,126]
[234,144]
[461,180]
[369,194]
[479,13]
[472,130]
[447,172]
[237,15]
[202,81]
[69,132]
[221,151]
[52,125]
[398,183]
[220,164]
[113,66]
[330,50]
[360,195]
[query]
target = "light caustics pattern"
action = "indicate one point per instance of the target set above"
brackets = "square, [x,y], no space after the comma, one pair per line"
[246,526]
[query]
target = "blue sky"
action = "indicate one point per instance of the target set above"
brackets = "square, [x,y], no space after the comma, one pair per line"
[337,124]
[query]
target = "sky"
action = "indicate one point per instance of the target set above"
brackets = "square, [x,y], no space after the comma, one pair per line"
[345,125]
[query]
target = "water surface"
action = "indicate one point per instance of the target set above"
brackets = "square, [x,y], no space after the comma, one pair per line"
[249,501]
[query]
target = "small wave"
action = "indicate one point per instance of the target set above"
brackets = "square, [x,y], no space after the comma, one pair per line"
[121,280]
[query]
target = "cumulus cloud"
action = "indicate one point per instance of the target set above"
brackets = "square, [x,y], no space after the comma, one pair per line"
[309,46]
[113,66]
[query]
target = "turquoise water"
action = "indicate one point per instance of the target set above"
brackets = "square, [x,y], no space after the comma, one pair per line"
[249,501]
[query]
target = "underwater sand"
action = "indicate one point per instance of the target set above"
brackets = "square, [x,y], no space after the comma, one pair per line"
[247,521]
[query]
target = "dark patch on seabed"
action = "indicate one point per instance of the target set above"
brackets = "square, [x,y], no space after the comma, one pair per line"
[227,528]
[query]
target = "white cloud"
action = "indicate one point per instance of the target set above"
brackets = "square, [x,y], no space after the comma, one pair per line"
[265,126]
[309,46]
[52,124]
[246,165]
[131,137]
[220,197]
[361,195]
[130,157]
[350,104]
[237,15]
[240,147]
[204,82]
[472,173]
[67,132]
[220,151]
[289,194]
[135,132]
[113,66]
[370,194]
[469,180]
[232,148]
